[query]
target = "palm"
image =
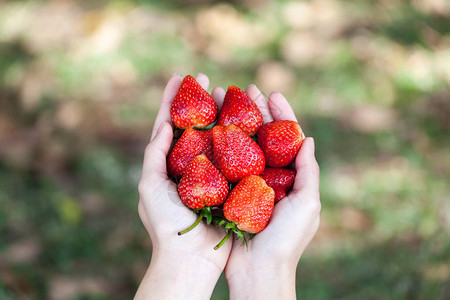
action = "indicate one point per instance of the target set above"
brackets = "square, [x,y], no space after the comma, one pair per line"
[293,223]
[164,215]
[295,219]
[289,231]
[160,208]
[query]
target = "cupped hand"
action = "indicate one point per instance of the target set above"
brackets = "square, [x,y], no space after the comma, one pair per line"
[164,215]
[273,254]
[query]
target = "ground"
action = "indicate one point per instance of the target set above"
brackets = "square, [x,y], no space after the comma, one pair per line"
[80,84]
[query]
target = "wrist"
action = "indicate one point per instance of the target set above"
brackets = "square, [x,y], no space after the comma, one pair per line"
[262,282]
[178,276]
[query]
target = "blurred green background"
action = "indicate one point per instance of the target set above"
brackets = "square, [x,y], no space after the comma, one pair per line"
[80,84]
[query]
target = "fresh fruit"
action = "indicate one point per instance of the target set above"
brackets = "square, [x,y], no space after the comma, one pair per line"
[191,143]
[207,159]
[236,155]
[192,106]
[201,187]
[239,109]
[280,180]
[248,208]
[280,141]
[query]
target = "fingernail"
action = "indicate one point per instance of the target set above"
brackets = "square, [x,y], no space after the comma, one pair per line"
[161,127]
[313,146]
[175,74]
[251,84]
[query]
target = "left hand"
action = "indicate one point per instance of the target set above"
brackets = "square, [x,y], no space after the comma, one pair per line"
[181,266]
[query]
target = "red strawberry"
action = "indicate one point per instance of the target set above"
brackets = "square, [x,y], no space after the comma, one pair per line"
[239,109]
[192,106]
[236,155]
[280,141]
[201,187]
[281,180]
[191,143]
[248,207]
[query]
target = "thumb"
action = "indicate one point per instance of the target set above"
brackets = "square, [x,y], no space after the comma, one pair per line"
[156,152]
[306,185]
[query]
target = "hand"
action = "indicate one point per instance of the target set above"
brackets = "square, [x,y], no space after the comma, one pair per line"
[181,266]
[266,270]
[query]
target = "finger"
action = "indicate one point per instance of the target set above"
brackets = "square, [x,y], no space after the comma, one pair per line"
[307,178]
[164,110]
[218,94]
[280,108]
[203,80]
[254,93]
[156,152]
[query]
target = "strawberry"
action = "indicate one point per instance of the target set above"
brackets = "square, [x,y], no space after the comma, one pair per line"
[281,180]
[236,155]
[248,208]
[239,109]
[280,141]
[201,187]
[191,143]
[192,106]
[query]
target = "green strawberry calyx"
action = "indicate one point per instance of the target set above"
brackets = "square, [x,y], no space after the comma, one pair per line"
[231,227]
[204,212]
[206,127]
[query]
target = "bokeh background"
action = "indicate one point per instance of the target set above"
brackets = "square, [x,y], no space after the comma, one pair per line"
[80,84]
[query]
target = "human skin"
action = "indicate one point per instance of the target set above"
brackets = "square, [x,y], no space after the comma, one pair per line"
[266,270]
[181,267]
[186,266]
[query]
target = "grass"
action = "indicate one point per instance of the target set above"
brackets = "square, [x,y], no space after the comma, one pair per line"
[78,103]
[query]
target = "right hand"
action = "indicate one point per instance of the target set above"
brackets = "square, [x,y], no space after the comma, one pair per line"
[267,268]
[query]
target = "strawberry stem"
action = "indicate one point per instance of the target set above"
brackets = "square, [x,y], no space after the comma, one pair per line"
[200,217]
[232,227]
[223,240]
[204,212]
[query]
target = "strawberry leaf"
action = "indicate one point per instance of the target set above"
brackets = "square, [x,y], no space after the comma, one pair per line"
[207,127]
[206,212]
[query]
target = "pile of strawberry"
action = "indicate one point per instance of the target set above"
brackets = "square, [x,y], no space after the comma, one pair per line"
[230,150]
